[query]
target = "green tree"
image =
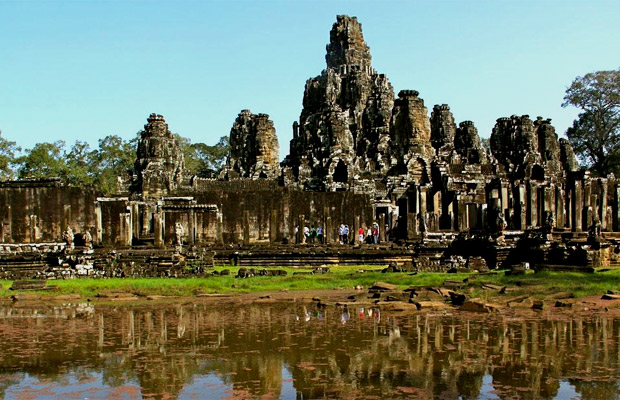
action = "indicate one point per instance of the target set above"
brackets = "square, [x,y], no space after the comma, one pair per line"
[44,160]
[595,134]
[113,158]
[201,159]
[79,168]
[7,158]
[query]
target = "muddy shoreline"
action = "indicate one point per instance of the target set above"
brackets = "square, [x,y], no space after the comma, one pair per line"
[556,305]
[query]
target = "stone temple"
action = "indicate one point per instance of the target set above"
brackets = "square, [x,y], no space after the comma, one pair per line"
[360,155]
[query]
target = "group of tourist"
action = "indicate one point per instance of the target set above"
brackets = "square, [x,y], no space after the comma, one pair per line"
[311,234]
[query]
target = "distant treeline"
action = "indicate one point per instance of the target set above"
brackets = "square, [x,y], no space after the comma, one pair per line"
[100,167]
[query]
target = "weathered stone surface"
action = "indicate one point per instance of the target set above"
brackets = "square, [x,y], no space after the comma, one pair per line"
[451,283]
[567,156]
[560,296]
[396,306]
[467,144]
[428,294]
[431,305]
[565,304]
[443,130]
[489,286]
[159,165]
[254,149]
[517,299]
[28,285]
[410,133]
[529,149]
[477,264]
[479,306]
[382,287]
[343,129]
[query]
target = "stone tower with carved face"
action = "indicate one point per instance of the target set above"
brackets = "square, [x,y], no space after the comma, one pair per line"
[343,129]
[159,165]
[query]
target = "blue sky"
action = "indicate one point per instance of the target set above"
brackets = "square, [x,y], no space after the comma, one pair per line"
[81,70]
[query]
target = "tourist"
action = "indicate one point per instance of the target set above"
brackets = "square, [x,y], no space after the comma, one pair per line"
[306,234]
[344,316]
[360,235]
[345,234]
[369,236]
[341,233]
[375,233]
[312,234]
[319,233]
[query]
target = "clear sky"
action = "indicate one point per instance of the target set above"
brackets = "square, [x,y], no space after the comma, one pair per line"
[81,70]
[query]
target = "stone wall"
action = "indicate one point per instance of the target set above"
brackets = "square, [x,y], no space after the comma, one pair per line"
[39,211]
[256,212]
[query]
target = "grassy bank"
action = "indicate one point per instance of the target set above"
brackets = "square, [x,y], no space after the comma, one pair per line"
[540,284]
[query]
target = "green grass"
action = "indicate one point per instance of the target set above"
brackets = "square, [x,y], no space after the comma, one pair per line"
[345,277]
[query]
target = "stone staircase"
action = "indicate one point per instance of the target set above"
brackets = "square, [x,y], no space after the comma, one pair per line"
[311,256]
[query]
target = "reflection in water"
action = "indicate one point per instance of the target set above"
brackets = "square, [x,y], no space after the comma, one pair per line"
[287,350]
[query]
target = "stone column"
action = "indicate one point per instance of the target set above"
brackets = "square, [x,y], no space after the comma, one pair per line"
[463,214]
[532,204]
[145,219]
[603,204]
[381,228]
[355,229]
[273,226]
[135,210]
[587,200]
[560,215]
[219,227]
[125,229]
[329,235]
[422,202]
[158,229]
[98,224]
[191,227]
[437,209]
[246,227]
[550,201]
[66,217]
[503,199]
[616,209]
[326,236]
[577,207]
[521,207]
[454,217]
[33,228]
[300,228]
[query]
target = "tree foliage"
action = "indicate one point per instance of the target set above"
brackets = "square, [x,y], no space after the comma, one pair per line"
[8,150]
[113,158]
[206,161]
[595,134]
[101,167]
[44,160]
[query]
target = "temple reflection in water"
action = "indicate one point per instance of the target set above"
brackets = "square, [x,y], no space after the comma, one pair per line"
[286,349]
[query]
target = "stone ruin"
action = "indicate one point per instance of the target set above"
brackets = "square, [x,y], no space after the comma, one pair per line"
[159,162]
[254,150]
[359,156]
[344,127]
